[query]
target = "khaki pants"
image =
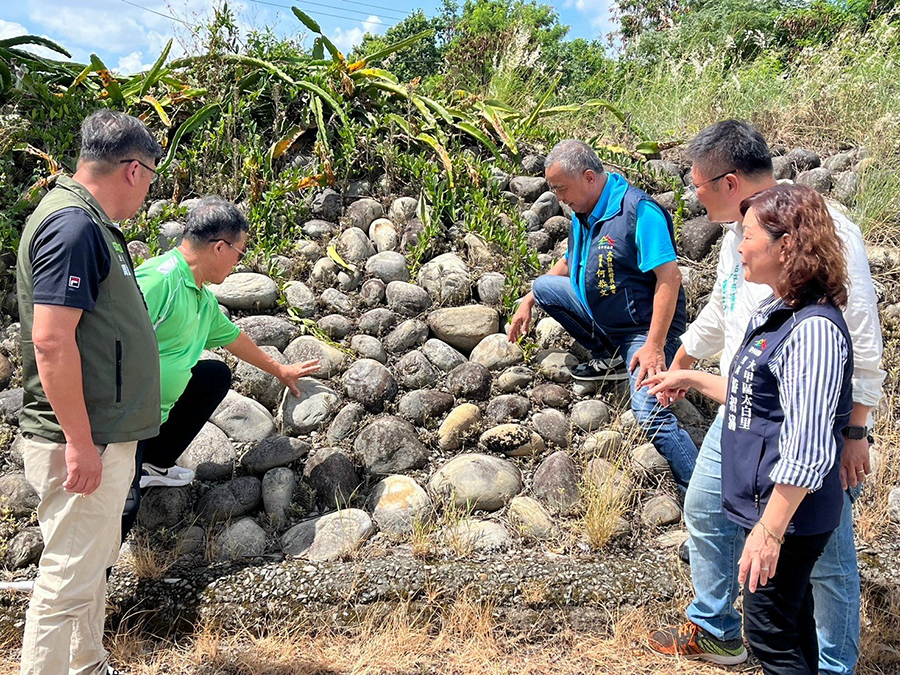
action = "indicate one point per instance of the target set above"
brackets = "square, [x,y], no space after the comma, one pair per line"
[64,622]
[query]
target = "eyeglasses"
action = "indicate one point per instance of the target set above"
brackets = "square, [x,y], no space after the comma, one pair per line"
[711,180]
[149,168]
[240,253]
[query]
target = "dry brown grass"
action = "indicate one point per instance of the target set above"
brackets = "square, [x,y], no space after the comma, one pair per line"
[146,558]
[605,503]
[462,638]
[872,522]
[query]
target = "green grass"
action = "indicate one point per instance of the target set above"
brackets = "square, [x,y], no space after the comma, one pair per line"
[842,94]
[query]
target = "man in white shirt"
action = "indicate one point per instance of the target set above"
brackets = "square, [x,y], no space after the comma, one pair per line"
[731,162]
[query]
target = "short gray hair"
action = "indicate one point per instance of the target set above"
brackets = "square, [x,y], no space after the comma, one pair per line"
[214,218]
[574,157]
[731,145]
[109,136]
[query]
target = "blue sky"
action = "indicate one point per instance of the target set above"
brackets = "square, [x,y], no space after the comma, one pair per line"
[129,34]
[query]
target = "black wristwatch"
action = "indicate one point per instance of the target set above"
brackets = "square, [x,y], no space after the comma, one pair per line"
[855,433]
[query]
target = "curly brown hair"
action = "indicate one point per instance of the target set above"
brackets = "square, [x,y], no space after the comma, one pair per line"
[815,269]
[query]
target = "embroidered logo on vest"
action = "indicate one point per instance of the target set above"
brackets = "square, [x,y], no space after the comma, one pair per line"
[606,277]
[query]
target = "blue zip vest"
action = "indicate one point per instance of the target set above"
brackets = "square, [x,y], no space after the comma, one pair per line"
[753,419]
[619,295]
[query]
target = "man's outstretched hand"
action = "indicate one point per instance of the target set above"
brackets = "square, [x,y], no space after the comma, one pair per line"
[520,323]
[293,372]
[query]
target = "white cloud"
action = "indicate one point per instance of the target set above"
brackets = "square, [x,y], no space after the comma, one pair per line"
[121,29]
[10,29]
[347,38]
[597,11]
[132,63]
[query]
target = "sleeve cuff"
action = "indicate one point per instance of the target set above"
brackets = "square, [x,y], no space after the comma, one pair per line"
[787,472]
[63,301]
[653,264]
[695,346]
[867,391]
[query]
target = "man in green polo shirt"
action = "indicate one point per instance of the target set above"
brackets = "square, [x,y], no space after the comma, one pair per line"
[186,317]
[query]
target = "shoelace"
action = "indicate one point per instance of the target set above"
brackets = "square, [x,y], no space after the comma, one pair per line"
[688,630]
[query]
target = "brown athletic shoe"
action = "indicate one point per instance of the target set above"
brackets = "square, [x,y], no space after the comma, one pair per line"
[692,642]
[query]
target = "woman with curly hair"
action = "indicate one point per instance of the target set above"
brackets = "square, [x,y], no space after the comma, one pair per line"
[787,400]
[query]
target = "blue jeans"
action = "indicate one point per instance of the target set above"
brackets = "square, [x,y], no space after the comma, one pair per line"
[716,544]
[555,295]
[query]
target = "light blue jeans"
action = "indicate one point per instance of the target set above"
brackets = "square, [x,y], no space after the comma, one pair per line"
[716,544]
[555,295]
[658,422]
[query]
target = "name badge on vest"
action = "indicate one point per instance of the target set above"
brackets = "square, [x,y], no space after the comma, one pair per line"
[739,406]
[606,276]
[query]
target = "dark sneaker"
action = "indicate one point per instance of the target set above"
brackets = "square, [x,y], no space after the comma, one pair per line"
[689,641]
[609,369]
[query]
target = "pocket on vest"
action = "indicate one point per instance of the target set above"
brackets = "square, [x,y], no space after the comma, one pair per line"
[118,371]
[629,305]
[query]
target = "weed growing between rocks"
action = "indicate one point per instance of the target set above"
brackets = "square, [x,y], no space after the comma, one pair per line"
[605,495]
[149,557]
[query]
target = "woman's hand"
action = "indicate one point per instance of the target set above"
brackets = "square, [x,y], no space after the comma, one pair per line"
[671,385]
[759,559]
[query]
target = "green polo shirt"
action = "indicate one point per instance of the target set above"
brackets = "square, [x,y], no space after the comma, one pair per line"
[187,320]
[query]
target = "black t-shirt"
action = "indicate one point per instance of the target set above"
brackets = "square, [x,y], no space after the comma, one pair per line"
[69,260]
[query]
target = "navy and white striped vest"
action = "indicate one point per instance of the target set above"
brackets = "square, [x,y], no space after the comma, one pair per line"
[753,420]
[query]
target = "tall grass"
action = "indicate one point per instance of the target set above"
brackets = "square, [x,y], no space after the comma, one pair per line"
[845,93]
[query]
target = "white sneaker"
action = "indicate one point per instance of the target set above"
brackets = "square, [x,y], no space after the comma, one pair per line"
[174,476]
[18,586]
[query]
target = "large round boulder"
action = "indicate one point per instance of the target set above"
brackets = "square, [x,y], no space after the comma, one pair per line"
[447,280]
[424,405]
[333,476]
[470,380]
[464,327]
[211,455]
[476,481]
[398,503]
[415,371]
[354,246]
[368,382]
[390,445]
[496,352]
[307,348]
[388,266]
[315,406]
[406,298]
[246,290]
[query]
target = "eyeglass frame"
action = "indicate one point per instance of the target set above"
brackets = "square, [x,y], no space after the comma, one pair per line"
[240,253]
[149,168]
[711,180]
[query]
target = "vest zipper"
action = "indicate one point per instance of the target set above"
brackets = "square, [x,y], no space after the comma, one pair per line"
[118,371]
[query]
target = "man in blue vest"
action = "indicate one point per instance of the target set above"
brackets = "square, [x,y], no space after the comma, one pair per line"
[618,289]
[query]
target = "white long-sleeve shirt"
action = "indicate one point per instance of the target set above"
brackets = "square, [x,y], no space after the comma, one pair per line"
[721,325]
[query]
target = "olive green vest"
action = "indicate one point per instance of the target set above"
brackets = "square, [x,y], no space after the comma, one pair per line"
[119,356]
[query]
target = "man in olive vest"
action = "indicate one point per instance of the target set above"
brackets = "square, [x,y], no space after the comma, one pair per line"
[91,379]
